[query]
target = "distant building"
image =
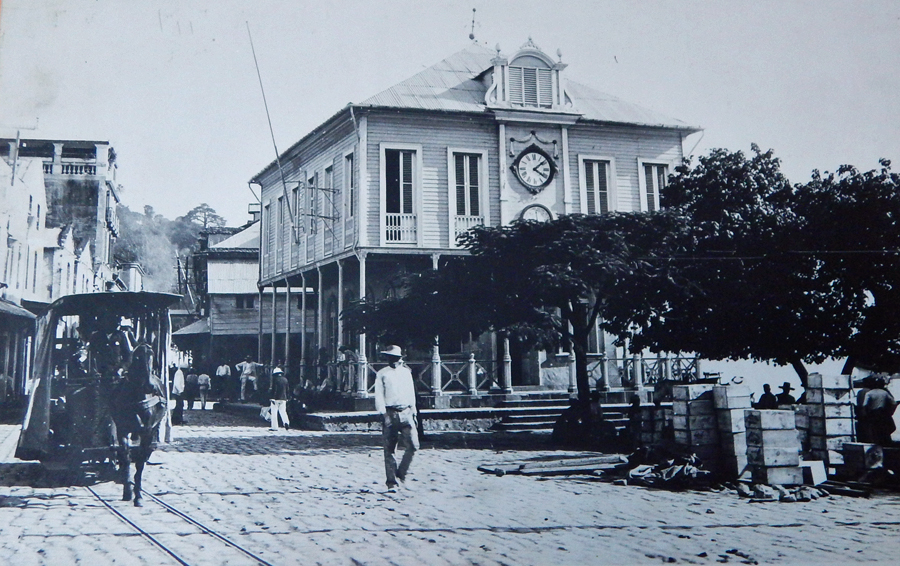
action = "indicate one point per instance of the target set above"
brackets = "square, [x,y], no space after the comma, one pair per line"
[384,187]
[62,235]
[231,307]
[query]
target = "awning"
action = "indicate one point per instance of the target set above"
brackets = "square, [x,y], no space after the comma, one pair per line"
[199,327]
[13,309]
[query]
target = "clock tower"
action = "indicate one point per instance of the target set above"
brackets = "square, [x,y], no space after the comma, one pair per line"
[533,111]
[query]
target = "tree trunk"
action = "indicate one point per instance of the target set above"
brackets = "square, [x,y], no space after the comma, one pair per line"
[801,371]
[582,379]
[849,365]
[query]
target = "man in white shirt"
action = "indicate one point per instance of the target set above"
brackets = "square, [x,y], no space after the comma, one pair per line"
[395,400]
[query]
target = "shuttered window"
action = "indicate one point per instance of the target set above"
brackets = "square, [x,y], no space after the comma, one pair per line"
[596,180]
[467,184]
[529,86]
[399,177]
[350,185]
[312,192]
[654,180]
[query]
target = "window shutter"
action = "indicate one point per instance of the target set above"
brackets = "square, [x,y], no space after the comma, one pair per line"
[602,189]
[530,86]
[545,88]
[649,182]
[460,162]
[407,182]
[589,183]
[473,185]
[515,85]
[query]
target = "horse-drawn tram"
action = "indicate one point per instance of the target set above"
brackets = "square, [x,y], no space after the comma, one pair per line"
[95,385]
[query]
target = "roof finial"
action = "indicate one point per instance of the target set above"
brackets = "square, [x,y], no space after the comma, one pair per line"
[472,33]
[559,54]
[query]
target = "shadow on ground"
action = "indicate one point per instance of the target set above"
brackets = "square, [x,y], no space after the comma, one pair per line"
[34,474]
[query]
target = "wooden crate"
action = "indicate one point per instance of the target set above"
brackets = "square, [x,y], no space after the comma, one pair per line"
[830,411]
[830,427]
[773,438]
[782,475]
[819,381]
[696,407]
[692,392]
[699,422]
[836,396]
[862,456]
[731,420]
[696,437]
[731,397]
[770,420]
[765,456]
[734,444]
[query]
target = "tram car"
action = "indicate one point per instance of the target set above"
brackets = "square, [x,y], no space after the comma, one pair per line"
[82,351]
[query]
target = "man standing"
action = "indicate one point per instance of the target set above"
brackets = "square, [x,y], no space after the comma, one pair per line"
[785,397]
[767,400]
[248,374]
[223,382]
[279,395]
[878,413]
[395,400]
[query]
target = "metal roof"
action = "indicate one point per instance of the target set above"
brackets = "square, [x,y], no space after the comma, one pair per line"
[199,327]
[13,309]
[453,85]
[118,302]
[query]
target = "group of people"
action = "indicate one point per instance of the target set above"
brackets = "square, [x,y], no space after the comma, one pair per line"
[875,408]
[769,400]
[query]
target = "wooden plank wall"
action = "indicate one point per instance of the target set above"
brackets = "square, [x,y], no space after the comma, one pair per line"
[626,144]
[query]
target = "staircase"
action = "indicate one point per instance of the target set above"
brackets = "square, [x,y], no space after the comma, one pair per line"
[539,415]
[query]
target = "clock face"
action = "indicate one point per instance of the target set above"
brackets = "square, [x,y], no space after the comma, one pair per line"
[536,212]
[534,169]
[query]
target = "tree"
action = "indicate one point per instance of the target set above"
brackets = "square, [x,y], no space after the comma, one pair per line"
[851,223]
[143,239]
[749,294]
[205,216]
[542,283]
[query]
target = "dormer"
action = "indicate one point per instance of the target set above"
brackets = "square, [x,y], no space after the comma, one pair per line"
[530,80]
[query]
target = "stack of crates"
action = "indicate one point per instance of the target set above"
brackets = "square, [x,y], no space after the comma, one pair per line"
[829,402]
[731,401]
[801,420]
[657,419]
[694,422]
[773,447]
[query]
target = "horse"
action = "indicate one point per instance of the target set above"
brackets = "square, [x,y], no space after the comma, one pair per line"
[138,407]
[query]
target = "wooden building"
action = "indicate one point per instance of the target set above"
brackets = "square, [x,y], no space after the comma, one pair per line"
[385,186]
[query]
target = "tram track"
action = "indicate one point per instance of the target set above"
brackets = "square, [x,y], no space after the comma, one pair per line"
[183,516]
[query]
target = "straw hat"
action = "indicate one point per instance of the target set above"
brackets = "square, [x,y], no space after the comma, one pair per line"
[393,350]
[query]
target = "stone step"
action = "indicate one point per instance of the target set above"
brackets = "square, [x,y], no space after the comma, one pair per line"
[539,425]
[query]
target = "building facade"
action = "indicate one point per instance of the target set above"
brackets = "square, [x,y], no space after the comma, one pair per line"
[385,186]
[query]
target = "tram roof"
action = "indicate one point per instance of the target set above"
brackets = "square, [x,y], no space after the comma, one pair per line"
[119,302]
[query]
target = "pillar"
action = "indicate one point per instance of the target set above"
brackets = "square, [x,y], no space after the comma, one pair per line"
[361,376]
[303,328]
[573,378]
[507,367]
[259,334]
[436,369]
[274,322]
[604,373]
[287,325]
[473,375]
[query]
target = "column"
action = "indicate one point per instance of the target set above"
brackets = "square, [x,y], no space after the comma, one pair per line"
[362,374]
[604,373]
[319,311]
[436,369]
[274,322]
[573,379]
[287,325]
[340,301]
[473,375]
[303,327]
[259,335]
[507,367]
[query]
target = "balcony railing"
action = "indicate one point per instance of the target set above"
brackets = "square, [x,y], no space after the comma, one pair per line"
[463,223]
[78,169]
[399,228]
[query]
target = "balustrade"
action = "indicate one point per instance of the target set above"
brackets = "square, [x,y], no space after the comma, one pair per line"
[463,223]
[399,228]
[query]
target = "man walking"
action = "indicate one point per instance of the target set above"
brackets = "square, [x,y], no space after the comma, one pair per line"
[223,382]
[278,400]
[395,400]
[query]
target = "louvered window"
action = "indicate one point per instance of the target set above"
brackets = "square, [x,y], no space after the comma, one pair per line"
[467,184]
[312,192]
[529,86]
[399,179]
[654,180]
[596,181]
[350,185]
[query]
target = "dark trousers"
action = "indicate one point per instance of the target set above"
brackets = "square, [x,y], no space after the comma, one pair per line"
[399,425]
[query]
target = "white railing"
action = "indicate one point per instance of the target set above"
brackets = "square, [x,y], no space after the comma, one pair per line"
[75,169]
[463,223]
[399,228]
[48,168]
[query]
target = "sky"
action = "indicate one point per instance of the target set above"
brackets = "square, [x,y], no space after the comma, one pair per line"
[173,85]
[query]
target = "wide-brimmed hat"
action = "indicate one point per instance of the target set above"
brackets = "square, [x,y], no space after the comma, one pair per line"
[786,386]
[393,350]
[277,370]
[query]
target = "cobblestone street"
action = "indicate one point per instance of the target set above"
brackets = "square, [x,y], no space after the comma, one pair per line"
[298,497]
